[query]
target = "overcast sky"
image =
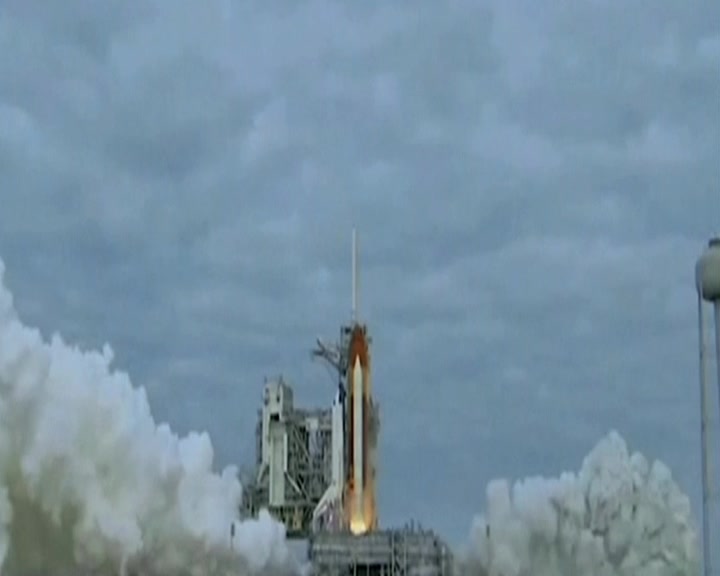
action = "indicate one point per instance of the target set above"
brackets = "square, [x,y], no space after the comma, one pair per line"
[532,181]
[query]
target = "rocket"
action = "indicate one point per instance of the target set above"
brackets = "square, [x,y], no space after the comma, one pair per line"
[349,503]
[360,503]
[358,406]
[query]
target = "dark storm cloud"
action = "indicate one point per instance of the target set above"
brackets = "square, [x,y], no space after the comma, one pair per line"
[532,182]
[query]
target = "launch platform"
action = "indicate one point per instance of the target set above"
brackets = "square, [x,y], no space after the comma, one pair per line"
[411,551]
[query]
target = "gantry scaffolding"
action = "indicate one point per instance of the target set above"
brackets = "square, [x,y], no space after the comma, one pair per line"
[293,464]
[410,551]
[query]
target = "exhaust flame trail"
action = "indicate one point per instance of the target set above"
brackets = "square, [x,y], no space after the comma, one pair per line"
[89,481]
[619,516]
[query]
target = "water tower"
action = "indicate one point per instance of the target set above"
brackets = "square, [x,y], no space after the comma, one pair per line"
[707,281]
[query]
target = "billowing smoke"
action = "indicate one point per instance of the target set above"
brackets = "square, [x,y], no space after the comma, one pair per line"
[619,516]
[89,481]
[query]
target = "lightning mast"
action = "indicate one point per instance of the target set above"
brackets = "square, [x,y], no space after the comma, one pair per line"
[354,277]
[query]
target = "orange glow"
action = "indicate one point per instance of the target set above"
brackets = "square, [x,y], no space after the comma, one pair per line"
[358,526]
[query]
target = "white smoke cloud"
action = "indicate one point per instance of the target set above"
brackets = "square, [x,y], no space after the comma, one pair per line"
[88,480]
[619,516]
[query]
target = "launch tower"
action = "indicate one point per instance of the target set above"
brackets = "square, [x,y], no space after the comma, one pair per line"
[293,454]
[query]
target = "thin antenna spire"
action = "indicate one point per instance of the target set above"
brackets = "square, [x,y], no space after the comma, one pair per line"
[354,276]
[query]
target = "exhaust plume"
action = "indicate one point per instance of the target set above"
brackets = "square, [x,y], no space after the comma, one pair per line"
[89,481]
[619,516]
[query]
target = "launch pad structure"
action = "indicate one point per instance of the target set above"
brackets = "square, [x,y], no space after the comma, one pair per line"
[316,470]
[409,551]
[292,468]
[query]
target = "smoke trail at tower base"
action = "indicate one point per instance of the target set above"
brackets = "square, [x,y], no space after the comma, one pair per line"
[619,516]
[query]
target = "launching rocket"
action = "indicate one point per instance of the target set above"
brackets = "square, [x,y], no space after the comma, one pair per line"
[361,421]
[349,503]
[360,502]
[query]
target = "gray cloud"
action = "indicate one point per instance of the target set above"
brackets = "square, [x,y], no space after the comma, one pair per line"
[532,182]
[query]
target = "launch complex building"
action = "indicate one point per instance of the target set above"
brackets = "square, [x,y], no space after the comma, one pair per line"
[316,469]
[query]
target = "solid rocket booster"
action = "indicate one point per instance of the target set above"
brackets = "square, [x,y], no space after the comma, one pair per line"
[358,443]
